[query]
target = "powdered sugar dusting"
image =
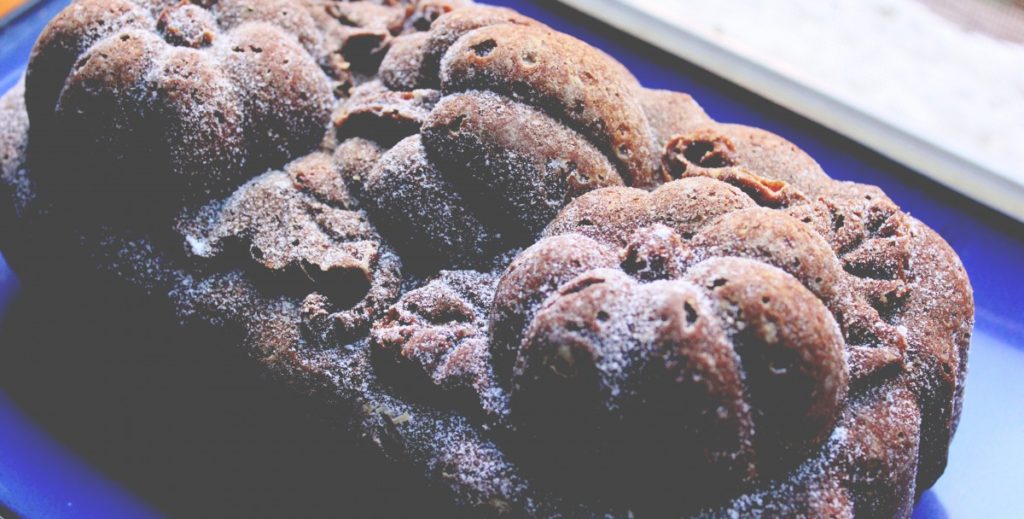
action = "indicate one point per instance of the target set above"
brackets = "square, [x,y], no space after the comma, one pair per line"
[335,271]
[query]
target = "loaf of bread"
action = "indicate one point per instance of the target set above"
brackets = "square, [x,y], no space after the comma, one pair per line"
[550,290]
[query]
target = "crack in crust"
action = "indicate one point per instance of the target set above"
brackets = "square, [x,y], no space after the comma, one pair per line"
[732,334]
[300,228]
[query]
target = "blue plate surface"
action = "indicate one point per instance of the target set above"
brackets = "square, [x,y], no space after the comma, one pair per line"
[39,477]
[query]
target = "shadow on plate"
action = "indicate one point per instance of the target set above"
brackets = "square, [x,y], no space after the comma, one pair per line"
[929,507]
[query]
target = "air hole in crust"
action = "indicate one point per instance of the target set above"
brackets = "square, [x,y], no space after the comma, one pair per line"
[691,314]
[456,125]
[705,154]
[703,148]
[484,48]
[345,287]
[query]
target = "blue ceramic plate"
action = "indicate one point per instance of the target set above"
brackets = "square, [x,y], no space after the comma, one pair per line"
[39,477]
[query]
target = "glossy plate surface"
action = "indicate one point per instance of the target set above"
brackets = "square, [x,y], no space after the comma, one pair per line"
[41,477]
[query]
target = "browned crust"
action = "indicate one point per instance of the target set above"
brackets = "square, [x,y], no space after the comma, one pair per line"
[846,268]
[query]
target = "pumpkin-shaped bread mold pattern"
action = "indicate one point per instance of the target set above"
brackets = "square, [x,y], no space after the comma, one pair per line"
[490,123]
[184,95]
[619,339]
[705,341]
[806,297]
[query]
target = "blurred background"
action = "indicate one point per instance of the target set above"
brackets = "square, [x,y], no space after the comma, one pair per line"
[937,85]
[7,7]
